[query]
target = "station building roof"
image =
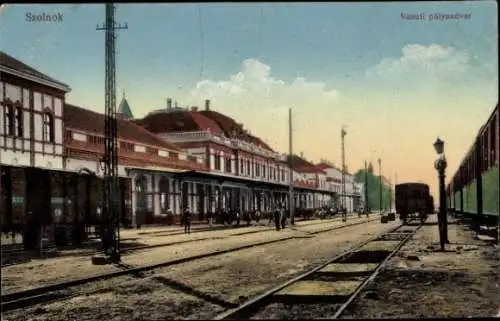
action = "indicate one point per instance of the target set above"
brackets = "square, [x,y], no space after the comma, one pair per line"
[90,121]
[16,67]
[178,121]
[185,119]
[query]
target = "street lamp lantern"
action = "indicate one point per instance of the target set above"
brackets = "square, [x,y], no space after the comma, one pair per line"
[439,146]
[440,165]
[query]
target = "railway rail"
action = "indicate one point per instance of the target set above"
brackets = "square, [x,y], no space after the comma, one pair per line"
[125,249]
[334,284]
[62,290]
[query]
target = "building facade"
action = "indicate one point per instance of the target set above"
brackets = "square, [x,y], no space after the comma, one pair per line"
[256,176]
[31,145]
[173,159]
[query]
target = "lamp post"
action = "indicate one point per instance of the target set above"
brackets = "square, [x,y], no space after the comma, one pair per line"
[366,190]
[440,165]
[390,196]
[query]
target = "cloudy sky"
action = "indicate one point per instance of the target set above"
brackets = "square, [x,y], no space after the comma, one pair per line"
[396,84]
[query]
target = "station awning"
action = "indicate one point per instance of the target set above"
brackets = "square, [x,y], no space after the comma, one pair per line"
[164,170]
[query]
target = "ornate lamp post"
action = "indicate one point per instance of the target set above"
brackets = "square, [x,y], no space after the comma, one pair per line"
[440,165]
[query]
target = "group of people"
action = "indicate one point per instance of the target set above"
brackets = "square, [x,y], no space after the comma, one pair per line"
[279,216]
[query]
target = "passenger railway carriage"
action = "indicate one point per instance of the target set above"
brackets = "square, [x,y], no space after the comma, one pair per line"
[474,189]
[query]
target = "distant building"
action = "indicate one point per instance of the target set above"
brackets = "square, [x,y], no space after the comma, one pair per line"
[124,110]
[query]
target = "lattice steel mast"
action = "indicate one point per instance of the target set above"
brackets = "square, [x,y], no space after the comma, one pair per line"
[111,206]
[291,198]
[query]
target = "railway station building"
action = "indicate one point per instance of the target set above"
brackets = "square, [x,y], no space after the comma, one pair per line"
[51,166]
[31,145]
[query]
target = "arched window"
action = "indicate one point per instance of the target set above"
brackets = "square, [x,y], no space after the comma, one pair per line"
[19,121]
[48,127]
[164,195]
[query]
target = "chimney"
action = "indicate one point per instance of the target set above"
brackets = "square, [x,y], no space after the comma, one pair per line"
[169,103]
[207,104]
[194,108]
[301,154]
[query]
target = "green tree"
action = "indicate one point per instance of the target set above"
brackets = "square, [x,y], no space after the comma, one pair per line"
[373,189]
[370,168]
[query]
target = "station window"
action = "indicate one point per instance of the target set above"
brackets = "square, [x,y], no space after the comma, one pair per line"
[217,162]
[9,119]
[19,121]
[48,127]
[127,146]
[69,135]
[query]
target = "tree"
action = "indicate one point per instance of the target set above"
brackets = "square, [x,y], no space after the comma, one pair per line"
[373,189]
[370,168]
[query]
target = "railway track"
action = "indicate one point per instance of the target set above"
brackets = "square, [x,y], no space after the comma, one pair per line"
[20,256]
[327,290]
[126,250]
[63,290]
[218,228]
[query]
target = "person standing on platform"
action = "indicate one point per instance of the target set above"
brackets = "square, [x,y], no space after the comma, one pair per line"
[210,218]
[187,220]
[282,216]
[257,216]
[238,217]
[277,218]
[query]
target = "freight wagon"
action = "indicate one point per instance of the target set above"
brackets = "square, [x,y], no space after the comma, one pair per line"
[64,205]
[412,200]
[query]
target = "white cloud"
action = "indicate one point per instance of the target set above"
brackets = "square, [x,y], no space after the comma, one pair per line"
[254,85]
[259,99]
[428,63]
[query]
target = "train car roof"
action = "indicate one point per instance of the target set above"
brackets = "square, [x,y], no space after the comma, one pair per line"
[412,183]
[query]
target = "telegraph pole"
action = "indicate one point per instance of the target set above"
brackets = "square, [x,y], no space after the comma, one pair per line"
[344,208]
[111,215]
[366,189]
[380,183]
[291,199]
[390,196]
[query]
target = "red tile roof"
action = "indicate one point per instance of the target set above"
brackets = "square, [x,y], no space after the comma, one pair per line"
[85,150]
[86,120]
[307,169]
[233,129]
[177,121]
[324,166]
[299,162]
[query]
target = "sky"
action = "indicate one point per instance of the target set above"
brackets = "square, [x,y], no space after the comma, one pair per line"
[396,84]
